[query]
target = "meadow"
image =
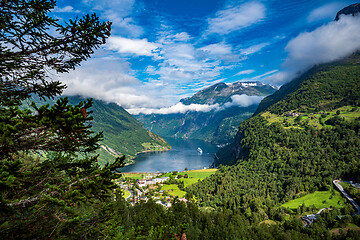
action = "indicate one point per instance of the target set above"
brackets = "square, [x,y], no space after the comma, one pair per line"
[320,199]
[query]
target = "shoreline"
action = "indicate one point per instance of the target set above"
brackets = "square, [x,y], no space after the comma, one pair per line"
[132,159]
[158,172]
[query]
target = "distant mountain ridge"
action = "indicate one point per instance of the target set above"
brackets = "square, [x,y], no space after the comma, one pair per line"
[216,126]
[221,92]
[123,134]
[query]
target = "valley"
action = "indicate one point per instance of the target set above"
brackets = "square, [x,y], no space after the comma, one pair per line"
[213,150]
[218,126]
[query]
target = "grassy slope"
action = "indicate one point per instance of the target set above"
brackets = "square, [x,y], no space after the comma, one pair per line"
[123,134]
[321,199]
[317,120]
[173,190]
[324,87]
[201,173]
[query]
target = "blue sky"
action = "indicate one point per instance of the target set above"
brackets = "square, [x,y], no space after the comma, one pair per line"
[163,50]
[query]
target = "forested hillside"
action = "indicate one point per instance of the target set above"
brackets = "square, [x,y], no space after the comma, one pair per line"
[309,137]
[123,134]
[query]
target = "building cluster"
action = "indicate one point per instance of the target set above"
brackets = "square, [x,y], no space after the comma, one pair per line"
[291,114]
[140,191]
[146,182]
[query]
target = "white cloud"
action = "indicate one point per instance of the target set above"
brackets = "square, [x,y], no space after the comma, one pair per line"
[245,72]
[236,18]
[253,49]
[218,49]
[180,63]
[107,79]
[170,38]
[65,9]
[236,101]
[265,74]
[327,43]
[140,47]
[177,108]
[324,12]
[119,13]
[242,100]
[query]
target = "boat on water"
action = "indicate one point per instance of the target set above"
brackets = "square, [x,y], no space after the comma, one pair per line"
[200,150]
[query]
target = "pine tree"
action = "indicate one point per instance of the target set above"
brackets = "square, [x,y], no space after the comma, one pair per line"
[50,183]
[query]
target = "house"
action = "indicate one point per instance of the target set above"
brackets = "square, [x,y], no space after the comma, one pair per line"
[143,198]
[150,182]
[160,180]
[292,114]
[309,219]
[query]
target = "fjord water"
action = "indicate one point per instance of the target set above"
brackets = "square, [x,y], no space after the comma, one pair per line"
[184,154]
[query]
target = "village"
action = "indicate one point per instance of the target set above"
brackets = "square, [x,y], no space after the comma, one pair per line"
[162,188]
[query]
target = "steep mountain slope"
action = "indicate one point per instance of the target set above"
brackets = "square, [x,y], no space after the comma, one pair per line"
[303,136]
[322,87]
[219,125]
[123,134]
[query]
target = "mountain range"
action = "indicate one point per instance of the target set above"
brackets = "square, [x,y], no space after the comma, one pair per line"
[228,105]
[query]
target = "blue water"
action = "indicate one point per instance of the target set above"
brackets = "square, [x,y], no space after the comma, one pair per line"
[183,155]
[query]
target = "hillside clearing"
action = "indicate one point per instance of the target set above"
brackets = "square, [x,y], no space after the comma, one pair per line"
[320,199]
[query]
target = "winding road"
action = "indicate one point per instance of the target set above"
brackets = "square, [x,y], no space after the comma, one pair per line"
[341,189]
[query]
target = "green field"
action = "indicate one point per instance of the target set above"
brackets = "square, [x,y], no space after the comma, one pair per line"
[321,199]
[189,181]
[201,174]
[176,192]
[196,175]
[133,175]
[126,194]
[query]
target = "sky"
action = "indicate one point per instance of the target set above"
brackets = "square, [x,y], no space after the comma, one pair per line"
[161,51]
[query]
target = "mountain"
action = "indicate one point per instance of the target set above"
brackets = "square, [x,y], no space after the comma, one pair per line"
[221,92]
[218,125]
[123,134]
[301,138]
[353,10]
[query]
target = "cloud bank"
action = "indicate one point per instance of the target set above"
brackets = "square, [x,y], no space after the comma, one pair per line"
[327,43]
[108,80]
[236,101]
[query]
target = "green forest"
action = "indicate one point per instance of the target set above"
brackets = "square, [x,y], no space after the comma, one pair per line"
[117,125]
[300,140]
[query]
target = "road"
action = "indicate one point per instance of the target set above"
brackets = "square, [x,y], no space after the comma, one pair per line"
[341,189]
[321,210]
